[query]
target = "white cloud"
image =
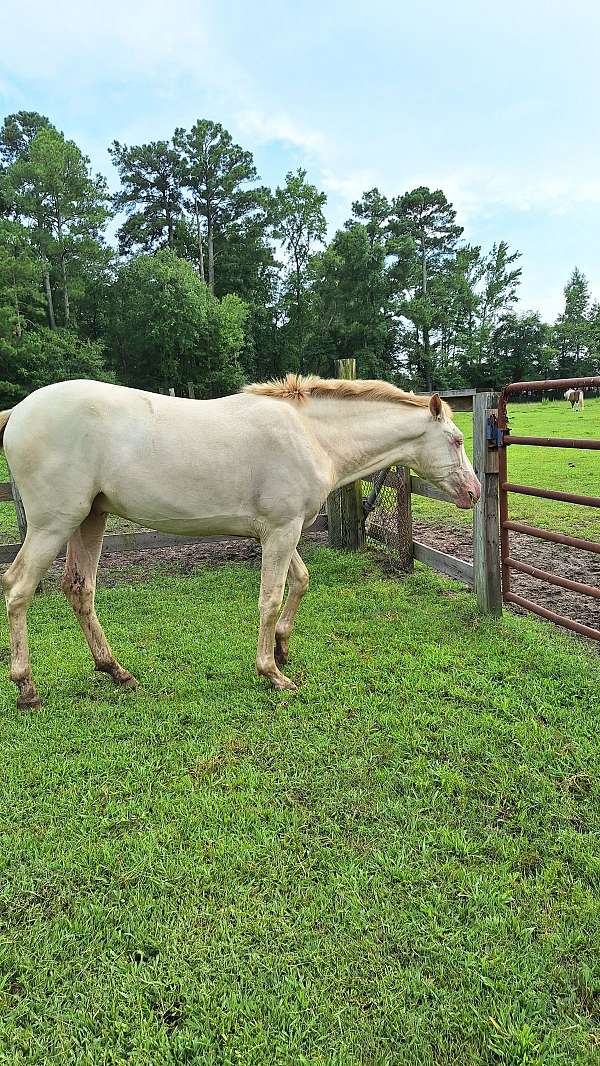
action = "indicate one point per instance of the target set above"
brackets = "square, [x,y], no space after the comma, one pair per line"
[348,187]
[477,192]
[263,129]
[114,40]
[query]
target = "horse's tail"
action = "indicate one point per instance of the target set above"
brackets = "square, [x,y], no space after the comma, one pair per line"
[4,417]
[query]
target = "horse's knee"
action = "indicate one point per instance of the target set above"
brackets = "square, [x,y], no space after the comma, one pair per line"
[18,597]
[9,580]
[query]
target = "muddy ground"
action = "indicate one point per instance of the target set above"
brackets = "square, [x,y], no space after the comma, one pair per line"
[554,558]
[116,567]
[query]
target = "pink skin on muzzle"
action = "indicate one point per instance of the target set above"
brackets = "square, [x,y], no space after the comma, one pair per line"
[468,493]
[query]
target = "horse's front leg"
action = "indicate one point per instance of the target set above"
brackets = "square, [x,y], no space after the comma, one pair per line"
[297,584]
[277,550]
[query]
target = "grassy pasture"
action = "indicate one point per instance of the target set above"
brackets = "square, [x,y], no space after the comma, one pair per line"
[567,470]
[394,866]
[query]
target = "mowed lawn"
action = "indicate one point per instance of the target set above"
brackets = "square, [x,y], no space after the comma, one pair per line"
[397,865]
[563,469]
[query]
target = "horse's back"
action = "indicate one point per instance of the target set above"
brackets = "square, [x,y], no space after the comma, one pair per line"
[166,462]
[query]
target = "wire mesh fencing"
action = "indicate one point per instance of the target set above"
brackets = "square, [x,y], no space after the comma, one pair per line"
[386,504]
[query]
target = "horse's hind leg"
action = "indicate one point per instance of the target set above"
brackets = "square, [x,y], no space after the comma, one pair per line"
[79,586]
[20,581]
[297,586]
[277,551]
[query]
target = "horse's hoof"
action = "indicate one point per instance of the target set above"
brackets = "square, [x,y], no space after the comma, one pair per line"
[283,684]
[119,675]
[31,703]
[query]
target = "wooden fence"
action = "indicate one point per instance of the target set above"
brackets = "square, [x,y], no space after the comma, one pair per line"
[483,574]
[345,518]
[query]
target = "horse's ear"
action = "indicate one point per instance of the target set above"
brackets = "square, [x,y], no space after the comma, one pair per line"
[436,407]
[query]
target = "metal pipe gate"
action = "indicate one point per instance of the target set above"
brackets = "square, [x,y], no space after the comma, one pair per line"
[499,436]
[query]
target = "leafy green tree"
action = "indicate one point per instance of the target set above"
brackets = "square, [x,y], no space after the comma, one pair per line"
[168,328]
[456,292]
[349,305]
[18,131]
[16,134]
[574,333]
[218,175]
[296,212]
[21,301]
[423,225]
[65,207]
[151,195]
[501,281]
[521,348]
[42,356]
[373,211]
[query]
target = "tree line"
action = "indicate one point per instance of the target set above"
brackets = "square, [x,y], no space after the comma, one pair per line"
[217,279]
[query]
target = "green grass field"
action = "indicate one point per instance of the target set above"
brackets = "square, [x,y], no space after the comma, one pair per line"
[568,470]
[397,865]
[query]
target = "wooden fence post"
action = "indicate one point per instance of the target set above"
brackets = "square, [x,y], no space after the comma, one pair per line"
[486,520]
[191,390]
[344,506]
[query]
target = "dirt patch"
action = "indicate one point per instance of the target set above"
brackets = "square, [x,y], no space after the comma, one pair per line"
[555,558]
[118,567]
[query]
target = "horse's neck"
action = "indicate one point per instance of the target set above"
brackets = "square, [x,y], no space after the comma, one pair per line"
[361,436]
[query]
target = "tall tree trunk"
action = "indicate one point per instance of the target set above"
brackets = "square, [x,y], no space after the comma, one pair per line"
[299,323]
[62,265]
[427,359]
[65,288]
[200,246]
[211,250]
[49,300]
[426,343]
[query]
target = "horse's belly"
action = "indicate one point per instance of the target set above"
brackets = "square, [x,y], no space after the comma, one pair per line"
[174,520]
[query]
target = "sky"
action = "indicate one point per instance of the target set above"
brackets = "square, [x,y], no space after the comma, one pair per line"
[498,105]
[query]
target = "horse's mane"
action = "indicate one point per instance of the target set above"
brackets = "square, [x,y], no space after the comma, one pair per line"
[299,388]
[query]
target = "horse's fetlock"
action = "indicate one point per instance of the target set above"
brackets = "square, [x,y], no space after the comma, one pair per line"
[20,674]
[265,665]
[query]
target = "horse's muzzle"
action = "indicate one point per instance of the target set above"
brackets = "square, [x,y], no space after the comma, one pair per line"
[468,493]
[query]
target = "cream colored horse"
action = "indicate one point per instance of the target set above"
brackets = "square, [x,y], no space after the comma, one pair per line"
[575,398]
[257,464]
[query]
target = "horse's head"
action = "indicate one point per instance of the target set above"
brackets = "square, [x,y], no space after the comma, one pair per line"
[441,458]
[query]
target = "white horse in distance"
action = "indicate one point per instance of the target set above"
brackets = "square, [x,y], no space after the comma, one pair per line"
[575,398]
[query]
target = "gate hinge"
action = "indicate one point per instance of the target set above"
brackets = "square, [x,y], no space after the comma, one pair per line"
[494,435]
